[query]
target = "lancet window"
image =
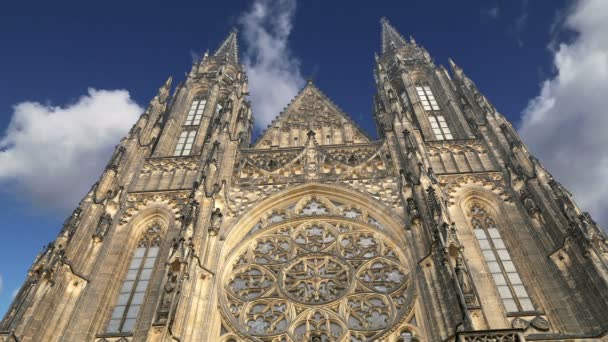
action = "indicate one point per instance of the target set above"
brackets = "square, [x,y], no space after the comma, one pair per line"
[184,143]
[426,97]
[510,287]
[196,112]
[440,128]
[135,283]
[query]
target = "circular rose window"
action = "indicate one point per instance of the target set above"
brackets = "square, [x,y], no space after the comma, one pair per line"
[321,278]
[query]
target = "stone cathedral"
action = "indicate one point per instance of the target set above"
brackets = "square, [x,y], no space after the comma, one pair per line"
[445,228]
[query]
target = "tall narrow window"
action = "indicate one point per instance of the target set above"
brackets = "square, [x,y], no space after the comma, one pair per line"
[508,282]
[184,143]
[295,141]
[196,112]
[328,139]
[440,127]
[134,286]
[426,97]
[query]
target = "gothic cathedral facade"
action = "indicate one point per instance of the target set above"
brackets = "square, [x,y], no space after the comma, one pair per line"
[445,228]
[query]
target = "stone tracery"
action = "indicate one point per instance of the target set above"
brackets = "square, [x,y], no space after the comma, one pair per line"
[320,273]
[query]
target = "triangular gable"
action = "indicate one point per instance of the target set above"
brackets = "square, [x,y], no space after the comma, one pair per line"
[311,110]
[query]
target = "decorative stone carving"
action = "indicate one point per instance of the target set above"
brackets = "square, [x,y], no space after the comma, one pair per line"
[520,323]
[137,201]
[103,226]
[492,181]
[114,163]
[216,222]
[171,284]
[540,323]
[490,336]
[334,274]
[71,223]
[529,203]
[189,212]
[412,210]
[169,164]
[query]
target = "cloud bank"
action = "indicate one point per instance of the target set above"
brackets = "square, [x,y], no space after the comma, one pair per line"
[274,74]
[52,155]
[566,126]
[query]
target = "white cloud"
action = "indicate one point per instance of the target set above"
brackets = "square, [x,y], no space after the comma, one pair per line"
[274,74]
[53,154]
[567,124]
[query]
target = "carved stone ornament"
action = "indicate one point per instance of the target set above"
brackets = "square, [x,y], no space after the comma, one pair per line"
[138,201]
[492,181]
[520,323]
[540,323]
[319,278]
[216,222]
[103,226]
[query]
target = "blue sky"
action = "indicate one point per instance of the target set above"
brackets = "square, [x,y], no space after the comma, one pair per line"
[53,52]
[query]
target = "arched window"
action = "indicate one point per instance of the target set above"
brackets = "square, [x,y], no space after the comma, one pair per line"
[184,143]
[440,128]
[135,283]
[426,97]
[196,112]
[506,278]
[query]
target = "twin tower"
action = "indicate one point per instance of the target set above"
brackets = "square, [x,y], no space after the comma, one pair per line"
[443,229]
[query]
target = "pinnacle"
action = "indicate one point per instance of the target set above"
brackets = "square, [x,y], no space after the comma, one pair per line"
[390,36]
[229,48]
[168,82]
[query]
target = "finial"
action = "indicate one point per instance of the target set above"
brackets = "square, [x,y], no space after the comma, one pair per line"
[452,64]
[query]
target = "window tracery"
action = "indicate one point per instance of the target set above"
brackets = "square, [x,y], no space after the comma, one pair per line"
[135,283]
[439,126]
[327,278]
[510,287]
[196,112]
[184,143]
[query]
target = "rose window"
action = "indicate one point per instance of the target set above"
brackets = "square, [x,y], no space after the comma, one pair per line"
[316,278]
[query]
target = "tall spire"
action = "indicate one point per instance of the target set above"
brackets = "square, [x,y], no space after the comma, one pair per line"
[390,36]
[229,48]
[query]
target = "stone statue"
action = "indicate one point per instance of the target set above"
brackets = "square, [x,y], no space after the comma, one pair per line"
[103,226]
[216,222]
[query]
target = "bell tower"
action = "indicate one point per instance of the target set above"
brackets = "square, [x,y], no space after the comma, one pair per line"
[487,220]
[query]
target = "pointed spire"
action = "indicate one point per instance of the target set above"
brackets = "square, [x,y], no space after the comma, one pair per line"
[229,48]
[390,36]
[165,90]
[167,84]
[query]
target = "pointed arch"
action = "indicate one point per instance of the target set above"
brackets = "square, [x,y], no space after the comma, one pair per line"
[142,240]
[485,217]
[316,244]
[380,214]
